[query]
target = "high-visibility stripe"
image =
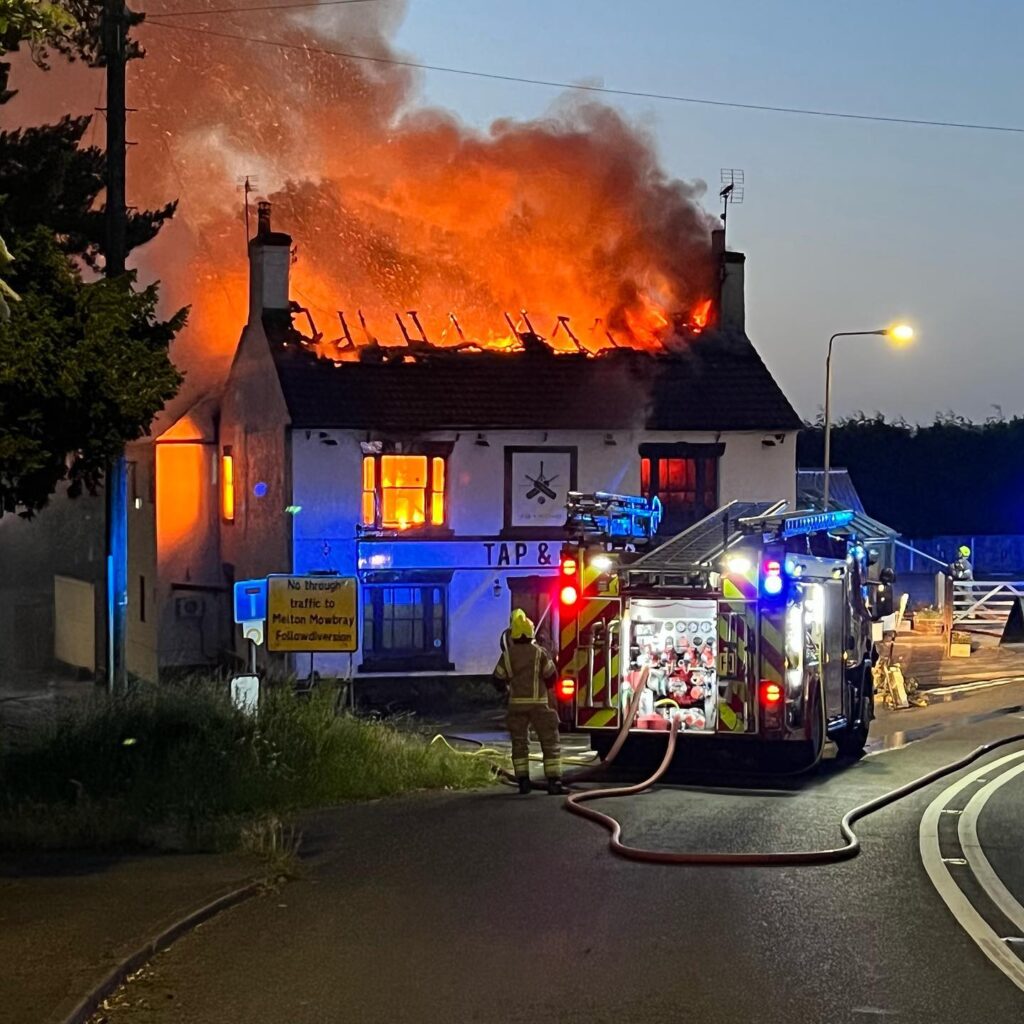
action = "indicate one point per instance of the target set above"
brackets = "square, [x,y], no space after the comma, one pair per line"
[728,719]
[593,610]
[737,587]
[773,660]
[597,718]
[576,658]
[733,629]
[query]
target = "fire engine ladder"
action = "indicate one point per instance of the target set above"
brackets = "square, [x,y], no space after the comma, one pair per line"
[688,558]
[776,524]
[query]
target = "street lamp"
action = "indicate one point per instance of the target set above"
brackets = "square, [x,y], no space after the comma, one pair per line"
[899,335]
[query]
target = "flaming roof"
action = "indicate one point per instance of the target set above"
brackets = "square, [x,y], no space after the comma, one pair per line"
[716,383]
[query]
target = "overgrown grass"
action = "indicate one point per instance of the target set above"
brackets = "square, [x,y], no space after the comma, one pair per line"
[179,766]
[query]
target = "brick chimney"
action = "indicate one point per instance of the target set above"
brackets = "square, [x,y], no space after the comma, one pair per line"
[269,263]
[731,314]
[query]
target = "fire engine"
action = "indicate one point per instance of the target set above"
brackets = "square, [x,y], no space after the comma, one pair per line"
[756,623]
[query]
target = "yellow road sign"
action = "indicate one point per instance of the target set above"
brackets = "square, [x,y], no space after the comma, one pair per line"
[312,613]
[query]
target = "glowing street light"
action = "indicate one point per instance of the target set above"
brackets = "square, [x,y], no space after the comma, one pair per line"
[899,334]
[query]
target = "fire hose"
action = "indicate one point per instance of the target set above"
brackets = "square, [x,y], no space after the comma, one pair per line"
[580,776]
[575,802]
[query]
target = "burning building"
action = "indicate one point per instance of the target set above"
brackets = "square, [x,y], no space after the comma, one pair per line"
[436,471]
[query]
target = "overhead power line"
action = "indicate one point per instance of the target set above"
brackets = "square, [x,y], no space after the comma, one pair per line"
[600,89]
[260,7]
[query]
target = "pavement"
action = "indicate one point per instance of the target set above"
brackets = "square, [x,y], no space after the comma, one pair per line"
[68,919]
[494,908]
[923,657]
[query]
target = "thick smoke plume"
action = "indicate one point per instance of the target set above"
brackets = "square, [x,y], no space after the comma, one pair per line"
[393,207]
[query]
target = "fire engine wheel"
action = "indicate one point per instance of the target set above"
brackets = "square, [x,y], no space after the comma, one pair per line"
[852,740]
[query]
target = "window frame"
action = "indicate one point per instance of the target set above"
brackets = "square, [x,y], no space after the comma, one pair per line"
[433,497]
[375,658]
[702,455]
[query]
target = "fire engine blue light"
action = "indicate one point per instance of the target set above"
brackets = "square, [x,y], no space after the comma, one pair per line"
[772,585]
[260,489]
[799,525]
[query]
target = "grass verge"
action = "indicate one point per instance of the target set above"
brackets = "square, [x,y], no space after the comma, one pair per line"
[180,768]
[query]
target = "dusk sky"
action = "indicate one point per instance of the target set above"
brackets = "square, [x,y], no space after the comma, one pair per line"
[847,225]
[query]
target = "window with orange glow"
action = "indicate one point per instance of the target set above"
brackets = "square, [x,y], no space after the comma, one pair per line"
[369,491]
[684,477]
[437,491]
[403,491]
[227,486]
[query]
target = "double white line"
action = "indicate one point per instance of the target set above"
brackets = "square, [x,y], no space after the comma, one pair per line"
[974,859]
[968,687]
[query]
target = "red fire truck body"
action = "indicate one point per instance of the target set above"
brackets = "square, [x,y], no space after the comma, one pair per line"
[755,623]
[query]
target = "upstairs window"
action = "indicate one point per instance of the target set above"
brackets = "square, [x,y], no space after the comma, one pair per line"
[685,479]
[403,491]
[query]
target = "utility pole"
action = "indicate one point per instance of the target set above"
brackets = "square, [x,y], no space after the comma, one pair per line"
[115,46]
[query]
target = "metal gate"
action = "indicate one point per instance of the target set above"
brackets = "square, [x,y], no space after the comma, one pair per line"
[982,605]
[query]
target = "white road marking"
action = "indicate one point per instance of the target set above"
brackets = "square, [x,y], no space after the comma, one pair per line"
[983,870]
[980,684]
[942,878]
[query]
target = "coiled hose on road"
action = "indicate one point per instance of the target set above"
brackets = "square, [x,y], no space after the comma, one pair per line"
[574,803]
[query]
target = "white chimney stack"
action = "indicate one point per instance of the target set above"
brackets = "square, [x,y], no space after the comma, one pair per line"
[731,313]
[269,263]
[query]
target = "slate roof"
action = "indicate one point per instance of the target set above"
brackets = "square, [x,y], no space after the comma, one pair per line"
[810,489]
[842,494]
[715,382]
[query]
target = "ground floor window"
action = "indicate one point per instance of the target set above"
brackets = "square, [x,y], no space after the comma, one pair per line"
[405,627]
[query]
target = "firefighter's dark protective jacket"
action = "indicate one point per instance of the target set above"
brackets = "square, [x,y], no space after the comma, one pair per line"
[529,672]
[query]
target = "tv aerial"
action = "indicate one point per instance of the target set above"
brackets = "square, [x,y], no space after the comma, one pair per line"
[247,186]
[732,190]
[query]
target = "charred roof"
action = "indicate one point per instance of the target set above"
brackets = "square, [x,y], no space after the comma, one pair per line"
[715,382]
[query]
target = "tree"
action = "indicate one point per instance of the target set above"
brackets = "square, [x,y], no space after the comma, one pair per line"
[950,477]
[38,23]
[84,364]
[83,368]
[48,177]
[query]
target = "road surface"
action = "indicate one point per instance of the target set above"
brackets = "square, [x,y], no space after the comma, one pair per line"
[500,909]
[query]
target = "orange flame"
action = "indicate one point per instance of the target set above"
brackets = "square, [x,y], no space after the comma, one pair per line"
[394,207]
[700,314]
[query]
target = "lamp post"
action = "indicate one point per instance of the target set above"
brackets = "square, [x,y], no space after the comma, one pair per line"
[899,334]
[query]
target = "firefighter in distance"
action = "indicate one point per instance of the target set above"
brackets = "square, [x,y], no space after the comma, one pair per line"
[962,569]
[526,672]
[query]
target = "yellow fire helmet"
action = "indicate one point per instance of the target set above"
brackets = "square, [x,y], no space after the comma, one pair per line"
[964,552]
[521,625]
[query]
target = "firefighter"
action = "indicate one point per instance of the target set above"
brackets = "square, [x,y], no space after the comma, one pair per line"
[962,569]
[526,672]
